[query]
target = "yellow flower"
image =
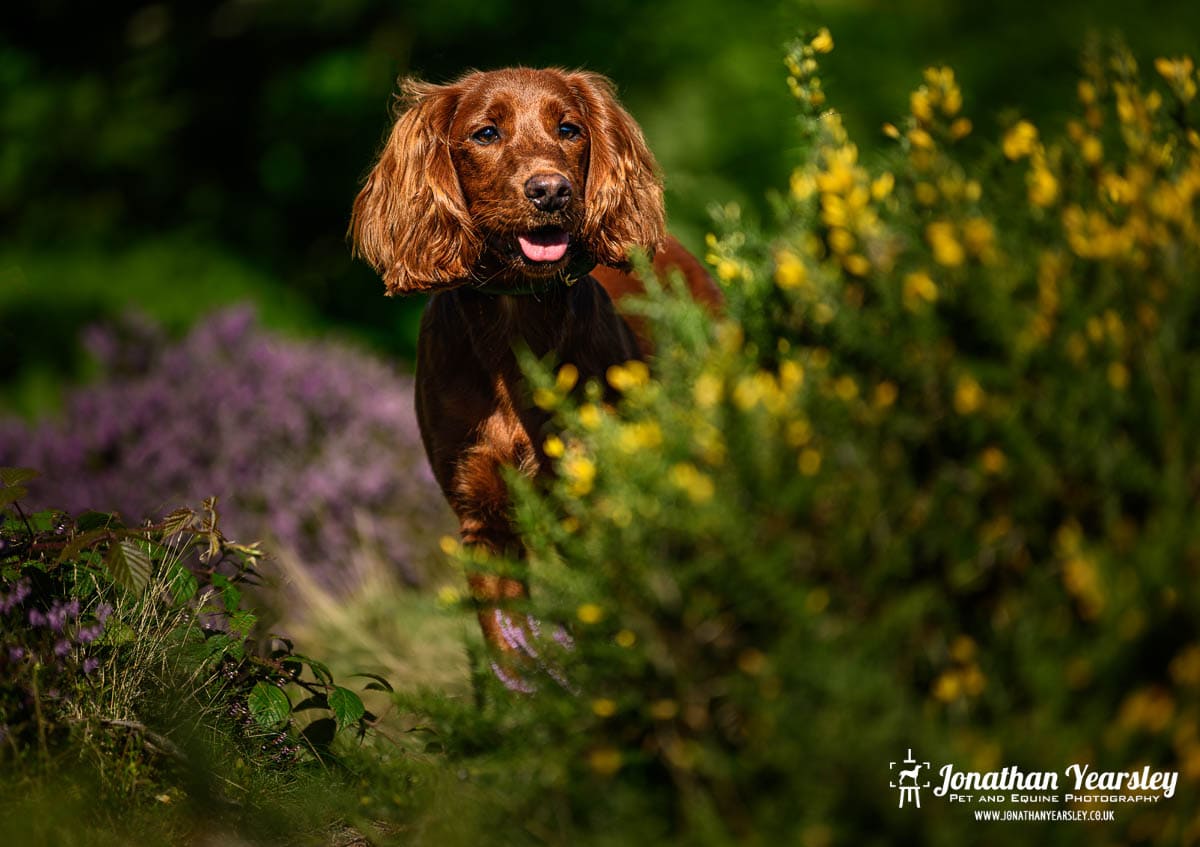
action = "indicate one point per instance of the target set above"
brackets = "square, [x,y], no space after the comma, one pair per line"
[708,390]
[791,375]
[802,183]
[962,649]
[885,394]
[590,613]
[553,447]
[920,139]
[1092,150]
[920,104]
[840,241]
[968,395]
[789,270]
[568,375]
[799,432]
[751,662]
[810,461]
[961,128]
[1178,72]
[919,288]
[449,545]
[1118,376]
[728,270]
[589,416]
[823,42]
[855,264]
[882,186]
[947,250]
[604,707]
[448,596]
[627,376]
[1020,140]
[640,436]
[845,388]
[581,471]
[625,638]
[948,686]
[979,236]
[926,193]
[993,460]
[544,398]
[890,130]
[605,761]
[1043,187]
[664,710]
[691,480]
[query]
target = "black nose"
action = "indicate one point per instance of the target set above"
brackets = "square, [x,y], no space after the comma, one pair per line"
[549,192]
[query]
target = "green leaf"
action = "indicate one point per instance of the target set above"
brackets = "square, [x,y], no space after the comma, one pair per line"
[320,670]
[80,543]
[97,520]
[177,521]
[16,476]
[242,621]
[117,632]
[9,496]
[183,583]
[269,705]
[380,683]
[231,595]
[346,706]
[129,566]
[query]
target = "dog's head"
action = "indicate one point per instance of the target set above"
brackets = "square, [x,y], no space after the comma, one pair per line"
[504,176]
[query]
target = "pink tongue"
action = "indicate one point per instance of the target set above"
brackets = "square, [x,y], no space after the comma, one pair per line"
[543,246]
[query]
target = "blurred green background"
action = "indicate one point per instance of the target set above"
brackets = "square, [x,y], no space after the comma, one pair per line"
[178,156]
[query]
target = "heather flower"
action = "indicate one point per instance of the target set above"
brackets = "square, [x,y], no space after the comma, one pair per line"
[312,445]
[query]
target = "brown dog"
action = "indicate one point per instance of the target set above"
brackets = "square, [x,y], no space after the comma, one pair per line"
[502,192]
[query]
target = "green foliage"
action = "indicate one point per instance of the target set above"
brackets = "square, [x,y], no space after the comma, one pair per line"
[133,669]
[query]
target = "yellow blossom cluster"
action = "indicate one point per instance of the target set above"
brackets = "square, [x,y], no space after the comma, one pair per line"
[801,63]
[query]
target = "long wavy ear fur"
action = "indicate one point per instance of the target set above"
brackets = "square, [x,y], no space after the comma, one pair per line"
[624,192]
[410,220]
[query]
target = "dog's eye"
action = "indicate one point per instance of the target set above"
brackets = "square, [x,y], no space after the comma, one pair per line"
[486,135]
[569,131]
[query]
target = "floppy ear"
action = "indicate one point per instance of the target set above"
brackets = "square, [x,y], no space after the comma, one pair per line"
[624,195]
[410,220]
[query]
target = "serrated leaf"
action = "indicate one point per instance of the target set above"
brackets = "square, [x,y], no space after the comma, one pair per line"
[380,683]
[177,521]
[8,496]
[16,476]
[242,622]
[320,670]
[269,705]
[81,543]
[183,583]
[129,566]
[97,520]
[117,632]
[346,706]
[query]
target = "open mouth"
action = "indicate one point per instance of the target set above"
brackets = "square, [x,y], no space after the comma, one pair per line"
[546,245]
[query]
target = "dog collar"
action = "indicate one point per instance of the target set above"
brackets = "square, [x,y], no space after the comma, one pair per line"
[574,272]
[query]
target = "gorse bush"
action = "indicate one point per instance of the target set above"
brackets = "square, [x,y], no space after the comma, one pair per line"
[312,445]
[929,483]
